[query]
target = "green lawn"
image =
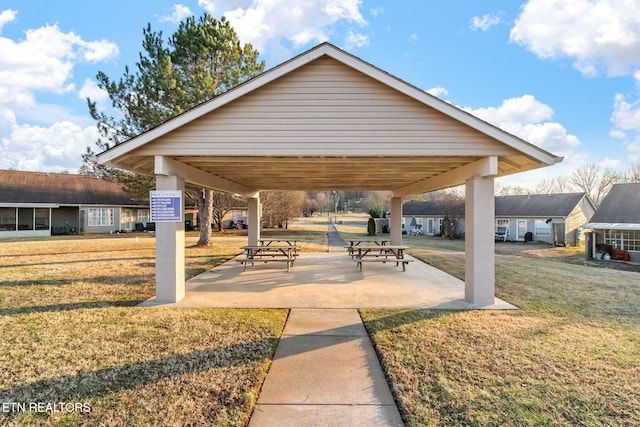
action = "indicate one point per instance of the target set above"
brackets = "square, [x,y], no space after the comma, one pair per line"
[570,356]
[72,336]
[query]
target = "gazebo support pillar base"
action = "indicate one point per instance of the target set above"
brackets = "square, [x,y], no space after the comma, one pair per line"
[479,241]
[170,249]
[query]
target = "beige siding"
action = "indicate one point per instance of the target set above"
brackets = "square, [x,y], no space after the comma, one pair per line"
[328,109]
[578,217]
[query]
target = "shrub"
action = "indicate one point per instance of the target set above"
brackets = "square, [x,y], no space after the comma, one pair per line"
[371,227]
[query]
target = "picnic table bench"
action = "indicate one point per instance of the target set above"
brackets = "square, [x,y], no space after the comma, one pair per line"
[269,253]
[380,253]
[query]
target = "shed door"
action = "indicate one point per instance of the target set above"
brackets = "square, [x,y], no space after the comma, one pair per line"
[521,226]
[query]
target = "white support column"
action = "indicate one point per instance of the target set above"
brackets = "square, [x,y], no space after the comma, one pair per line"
[170,249]
[395,226]
[254,220]
[479,241]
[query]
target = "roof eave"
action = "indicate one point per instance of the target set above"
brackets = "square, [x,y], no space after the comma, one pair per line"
[611,226]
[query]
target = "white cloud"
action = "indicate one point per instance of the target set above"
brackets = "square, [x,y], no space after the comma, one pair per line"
[615,164]
[378,10]
[91,90]
[97,51]
[413,37]
[626,122]
[626,115]
[526,109]
[529,119]
[600,35]
[484,22]
[55,148]
[7,16]
[269,22]
[356,40]
[179,13]
[44,62]
[438,91]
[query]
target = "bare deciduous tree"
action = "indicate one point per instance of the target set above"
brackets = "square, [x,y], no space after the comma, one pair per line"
[510,190]
[223,203]
[633,174]
[594,181]
[452,202]
[278,207]
[377,203]
[559,184]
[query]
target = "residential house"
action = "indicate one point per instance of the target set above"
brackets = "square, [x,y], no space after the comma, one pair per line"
[550,218]
[424,218]
[45,204]
[616,224]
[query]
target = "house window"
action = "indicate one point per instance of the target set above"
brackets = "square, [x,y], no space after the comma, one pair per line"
[25,218]
[502,225]
[543,228]
[143,216]
[238,216]
[623,239]
[128,219]
[7,219]
[42,219]
[433,226]
[100,217]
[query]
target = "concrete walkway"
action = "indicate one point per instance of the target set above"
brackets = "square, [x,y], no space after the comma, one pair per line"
[325,373]
[335,242]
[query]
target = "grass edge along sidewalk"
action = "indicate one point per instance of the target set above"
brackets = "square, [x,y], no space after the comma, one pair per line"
[569,356]
[74,345]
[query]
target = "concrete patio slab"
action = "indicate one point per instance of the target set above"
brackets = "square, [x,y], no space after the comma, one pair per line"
[325,372]
[327,280]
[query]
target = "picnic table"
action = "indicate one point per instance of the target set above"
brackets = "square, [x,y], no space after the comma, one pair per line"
[380,253]
[290,242]
[353,243]
[269,253]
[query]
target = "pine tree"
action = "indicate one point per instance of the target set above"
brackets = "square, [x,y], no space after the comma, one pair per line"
[201,60]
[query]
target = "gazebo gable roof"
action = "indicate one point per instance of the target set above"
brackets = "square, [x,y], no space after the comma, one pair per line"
[455,129]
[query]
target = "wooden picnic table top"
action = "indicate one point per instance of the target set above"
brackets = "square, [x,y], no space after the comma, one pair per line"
[355,242]
[376,247]
[266,248]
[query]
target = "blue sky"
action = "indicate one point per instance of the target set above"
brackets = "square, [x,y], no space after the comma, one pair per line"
[564,75]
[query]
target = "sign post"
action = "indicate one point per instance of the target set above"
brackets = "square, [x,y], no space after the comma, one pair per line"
[166,206]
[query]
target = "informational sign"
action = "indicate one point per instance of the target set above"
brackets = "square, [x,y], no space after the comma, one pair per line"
[166,206]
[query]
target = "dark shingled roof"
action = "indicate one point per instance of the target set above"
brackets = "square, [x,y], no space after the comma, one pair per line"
[422,208]
[62,189]
[534,205]
[558,205]
[620,205]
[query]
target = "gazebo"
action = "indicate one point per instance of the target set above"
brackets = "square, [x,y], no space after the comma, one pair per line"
[326,120]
